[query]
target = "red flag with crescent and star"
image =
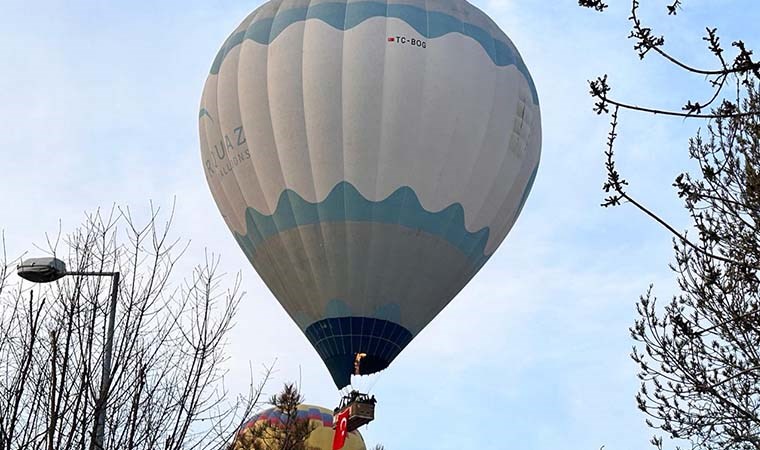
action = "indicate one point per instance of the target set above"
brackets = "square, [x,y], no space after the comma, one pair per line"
[341,429]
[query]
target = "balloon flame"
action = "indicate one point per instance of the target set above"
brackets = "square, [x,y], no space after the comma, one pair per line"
[357,362]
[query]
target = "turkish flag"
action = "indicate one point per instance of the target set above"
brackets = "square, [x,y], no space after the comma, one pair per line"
[341,429]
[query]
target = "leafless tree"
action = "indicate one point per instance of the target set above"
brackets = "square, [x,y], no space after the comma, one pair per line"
[699,354]
[166,389]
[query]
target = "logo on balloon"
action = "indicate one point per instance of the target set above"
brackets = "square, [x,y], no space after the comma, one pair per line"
[227,153]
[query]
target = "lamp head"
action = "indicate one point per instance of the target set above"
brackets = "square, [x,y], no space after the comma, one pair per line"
[41,270]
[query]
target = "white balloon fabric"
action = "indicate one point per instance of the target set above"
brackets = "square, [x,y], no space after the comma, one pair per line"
[369,157]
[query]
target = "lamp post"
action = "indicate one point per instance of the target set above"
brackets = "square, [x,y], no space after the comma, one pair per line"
[45,270]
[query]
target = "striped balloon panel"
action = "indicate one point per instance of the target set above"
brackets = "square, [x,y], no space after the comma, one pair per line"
[321,437]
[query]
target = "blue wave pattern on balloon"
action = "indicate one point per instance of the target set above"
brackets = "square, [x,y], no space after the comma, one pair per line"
[339,308]
[344,16]
[345,203]
[204,112]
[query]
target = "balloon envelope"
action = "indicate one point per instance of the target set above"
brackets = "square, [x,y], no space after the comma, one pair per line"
[321,437]
[369,157]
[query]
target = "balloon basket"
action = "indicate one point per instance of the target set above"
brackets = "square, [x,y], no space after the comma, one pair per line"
[360,407]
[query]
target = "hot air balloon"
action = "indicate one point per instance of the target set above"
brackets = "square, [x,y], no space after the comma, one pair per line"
[368,157]
[320,438]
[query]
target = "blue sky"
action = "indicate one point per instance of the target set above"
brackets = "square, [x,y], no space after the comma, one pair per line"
[99,105]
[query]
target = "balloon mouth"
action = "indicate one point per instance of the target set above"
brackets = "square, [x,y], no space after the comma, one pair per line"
[340,340]
[341,367]
[365,364]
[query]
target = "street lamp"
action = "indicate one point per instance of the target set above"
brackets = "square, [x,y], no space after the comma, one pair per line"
[45,270]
